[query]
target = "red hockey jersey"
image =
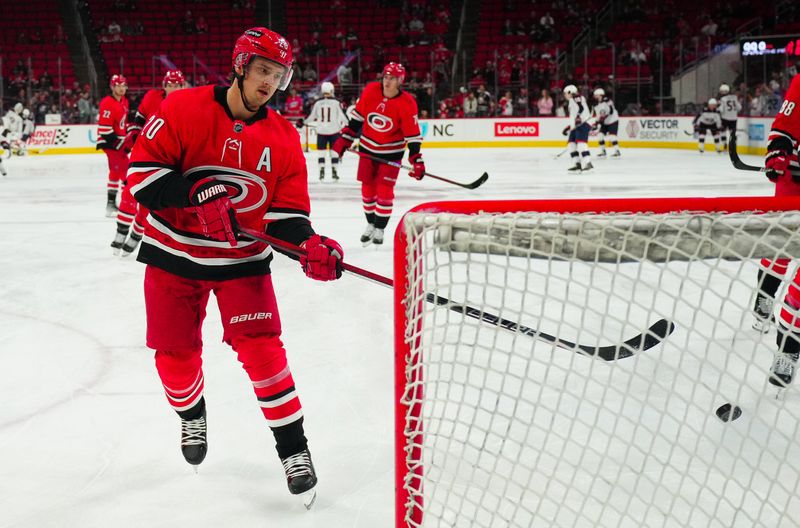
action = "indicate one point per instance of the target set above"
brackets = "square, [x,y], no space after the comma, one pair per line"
[293,108]
[149,105]
[193,136]
[787,122]
[111,123]
[388,123]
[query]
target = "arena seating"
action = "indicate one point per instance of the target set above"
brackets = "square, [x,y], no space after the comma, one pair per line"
[19,24]
[144,58]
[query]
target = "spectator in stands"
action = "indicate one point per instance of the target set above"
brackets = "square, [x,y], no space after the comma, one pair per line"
[19,68]
[709,29]
[470,105]
[84,108]
[545,104]
[484,101]
[508,29]
[187,23]
[309,74]
[138,28]
[45,81]
[505,106]
[547,22]
[521,103]
[201,27]
[344,73]
[36,37]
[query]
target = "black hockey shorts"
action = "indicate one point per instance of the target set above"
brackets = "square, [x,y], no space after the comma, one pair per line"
[326,140]
[729,124]
[613,128]
[703,129]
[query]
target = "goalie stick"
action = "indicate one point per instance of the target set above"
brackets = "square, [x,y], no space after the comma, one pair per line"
[654,335]
[474,185]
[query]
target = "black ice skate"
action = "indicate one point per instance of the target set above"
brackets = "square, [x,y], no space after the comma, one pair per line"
[334,175]
[321,174]
[117,243]
[785,363]
[575,168]
[301,477]
[762,311]
[194,444]
[366,238]
[601,154]
[588,167]
[129,246]
[111,210]
[616,154]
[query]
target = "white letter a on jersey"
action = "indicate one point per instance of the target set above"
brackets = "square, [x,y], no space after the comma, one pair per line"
[265,160]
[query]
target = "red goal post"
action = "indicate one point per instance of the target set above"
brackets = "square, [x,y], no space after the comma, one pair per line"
[672,256]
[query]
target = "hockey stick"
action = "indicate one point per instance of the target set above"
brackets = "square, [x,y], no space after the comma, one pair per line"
[474,185]
[739,164]
[560,154]
[654,335]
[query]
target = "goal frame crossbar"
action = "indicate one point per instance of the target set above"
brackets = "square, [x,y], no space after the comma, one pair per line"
[405,510]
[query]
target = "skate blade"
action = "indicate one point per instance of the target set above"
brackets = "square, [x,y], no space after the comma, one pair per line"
[308,498]
[367,243]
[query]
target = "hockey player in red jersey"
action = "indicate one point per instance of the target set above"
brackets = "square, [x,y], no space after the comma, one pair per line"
[783,170]
[213,158]
[111,137]
[131,215]
[386,119]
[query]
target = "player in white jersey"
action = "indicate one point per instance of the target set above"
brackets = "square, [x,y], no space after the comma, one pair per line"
[328,117]
[5,145]
[729,108]
[606,116]
[580,123]
[13,121]
[27,125]
[708,120]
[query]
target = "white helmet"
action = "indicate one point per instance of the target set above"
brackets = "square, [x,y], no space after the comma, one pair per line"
[724,89]
[599,92]
[327,88]
[712,102]
[18,108]
[26,113]
[570,90]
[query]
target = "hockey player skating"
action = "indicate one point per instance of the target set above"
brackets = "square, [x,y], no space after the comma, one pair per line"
[780,161]
[213,158]
[328,118]
[577,131]
[131,215]
[729,108]
[13,121]
[605,115]
[385,118]
[111,138]
[28,126]
[708,120]
[5,145]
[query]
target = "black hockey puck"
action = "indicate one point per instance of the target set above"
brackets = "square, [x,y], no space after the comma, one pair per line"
[728,412]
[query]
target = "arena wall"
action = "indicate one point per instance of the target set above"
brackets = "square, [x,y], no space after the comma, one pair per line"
[646,132]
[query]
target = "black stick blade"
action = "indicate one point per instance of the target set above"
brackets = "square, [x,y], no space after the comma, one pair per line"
[654,335]
[480,181]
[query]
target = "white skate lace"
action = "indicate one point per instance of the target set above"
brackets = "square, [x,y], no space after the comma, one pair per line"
[297,465]
[193,432]
[784,365]
[764,307]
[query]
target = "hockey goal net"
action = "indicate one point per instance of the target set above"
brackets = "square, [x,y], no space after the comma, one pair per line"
[559,363]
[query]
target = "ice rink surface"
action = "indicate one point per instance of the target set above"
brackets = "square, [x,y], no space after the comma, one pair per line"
[86,436]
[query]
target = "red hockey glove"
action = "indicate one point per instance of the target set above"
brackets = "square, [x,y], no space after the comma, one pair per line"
[418,169]
[344,142]
[777,161]
[214,210]
[323,258]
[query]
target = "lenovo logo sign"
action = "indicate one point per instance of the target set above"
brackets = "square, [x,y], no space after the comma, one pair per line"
[516,129]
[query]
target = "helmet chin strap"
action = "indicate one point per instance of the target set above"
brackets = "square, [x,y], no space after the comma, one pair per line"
[240,83]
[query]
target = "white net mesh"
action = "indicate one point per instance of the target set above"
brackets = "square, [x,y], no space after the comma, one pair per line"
[510,430]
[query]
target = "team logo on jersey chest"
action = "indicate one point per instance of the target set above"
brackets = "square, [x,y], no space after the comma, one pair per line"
[247,191]
[238,126]
[379,122]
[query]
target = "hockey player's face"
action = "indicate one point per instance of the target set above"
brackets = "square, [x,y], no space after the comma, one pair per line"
[391,84]
[262,80]
[171,87]
[119,89]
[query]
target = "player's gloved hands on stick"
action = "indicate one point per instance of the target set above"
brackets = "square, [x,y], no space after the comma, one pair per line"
[418,166]
[214,210]
[565,132]
[323,258]
[777,161]
[299,123]
[344,142]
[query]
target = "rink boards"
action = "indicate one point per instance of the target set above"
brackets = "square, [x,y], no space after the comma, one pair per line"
[674,132]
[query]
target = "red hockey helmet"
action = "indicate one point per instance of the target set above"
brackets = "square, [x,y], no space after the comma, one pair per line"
[262,42]
[118,80]
[173,77]
[395,69]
